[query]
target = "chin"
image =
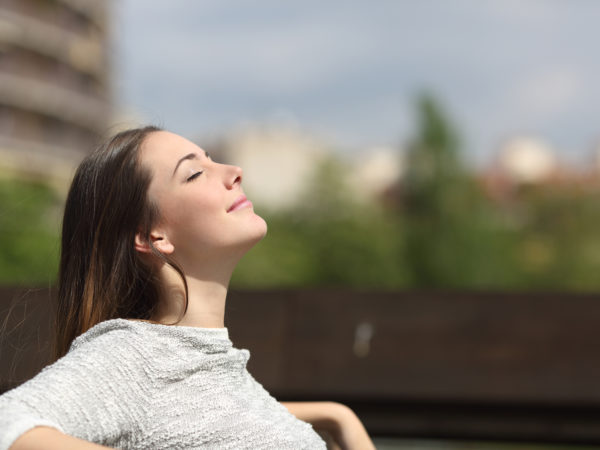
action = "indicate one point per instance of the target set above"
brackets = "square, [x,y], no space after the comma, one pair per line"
[261,228]
[253,234]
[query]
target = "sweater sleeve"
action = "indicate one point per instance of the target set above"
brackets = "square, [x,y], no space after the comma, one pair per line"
[90,393]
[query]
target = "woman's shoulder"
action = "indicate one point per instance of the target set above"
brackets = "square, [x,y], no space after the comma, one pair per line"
[108,350]
[108,332]
[100,380]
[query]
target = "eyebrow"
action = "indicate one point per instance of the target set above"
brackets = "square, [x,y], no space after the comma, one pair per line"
[186,158]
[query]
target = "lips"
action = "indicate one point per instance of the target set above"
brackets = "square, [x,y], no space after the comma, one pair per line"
[241,202]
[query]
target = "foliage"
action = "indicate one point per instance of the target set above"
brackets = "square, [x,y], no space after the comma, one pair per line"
[29,230]
[443,233]
[439,231]
[451,228]
[327,240]
[559,240]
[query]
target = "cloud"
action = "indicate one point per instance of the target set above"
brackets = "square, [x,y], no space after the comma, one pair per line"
[548,92]
[350,69]
[531,13]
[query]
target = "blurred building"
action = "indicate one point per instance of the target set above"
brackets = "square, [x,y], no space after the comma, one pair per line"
[527,161]
[520,161]
[376,171]
[278,162]
[54,82]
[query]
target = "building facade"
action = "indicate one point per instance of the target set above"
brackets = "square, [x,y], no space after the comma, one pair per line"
[54,82]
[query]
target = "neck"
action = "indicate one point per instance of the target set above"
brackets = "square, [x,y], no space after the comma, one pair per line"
[205,302]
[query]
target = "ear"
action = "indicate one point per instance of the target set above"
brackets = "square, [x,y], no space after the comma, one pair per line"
[158,239]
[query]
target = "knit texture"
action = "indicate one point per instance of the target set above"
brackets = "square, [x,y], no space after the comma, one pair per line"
[138,385]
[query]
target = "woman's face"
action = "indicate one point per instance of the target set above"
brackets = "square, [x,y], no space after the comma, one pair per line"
[203,209]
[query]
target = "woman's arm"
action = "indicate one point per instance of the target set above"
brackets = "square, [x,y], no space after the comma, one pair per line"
[336,419]
[46,438]
[90,393]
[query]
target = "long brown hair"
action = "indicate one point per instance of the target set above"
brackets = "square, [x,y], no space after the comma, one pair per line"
[101,275]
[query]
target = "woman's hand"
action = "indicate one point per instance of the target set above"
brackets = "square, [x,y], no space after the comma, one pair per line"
[335,419]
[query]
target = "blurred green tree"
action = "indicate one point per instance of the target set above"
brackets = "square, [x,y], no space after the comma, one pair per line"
[559,241]
[29,230]
[444,231]
[327,240]
[454,238]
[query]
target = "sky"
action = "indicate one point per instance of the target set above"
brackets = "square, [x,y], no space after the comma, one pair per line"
[349,71]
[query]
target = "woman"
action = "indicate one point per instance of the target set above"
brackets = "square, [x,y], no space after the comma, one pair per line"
[152,231]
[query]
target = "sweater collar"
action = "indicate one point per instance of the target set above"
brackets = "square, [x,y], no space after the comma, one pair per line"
[210,340]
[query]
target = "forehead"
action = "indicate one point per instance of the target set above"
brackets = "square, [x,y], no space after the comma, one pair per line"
[165,148]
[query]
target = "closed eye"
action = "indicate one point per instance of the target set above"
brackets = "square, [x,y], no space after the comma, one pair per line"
[194,176]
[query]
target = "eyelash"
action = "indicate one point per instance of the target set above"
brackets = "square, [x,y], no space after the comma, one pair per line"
[194,176]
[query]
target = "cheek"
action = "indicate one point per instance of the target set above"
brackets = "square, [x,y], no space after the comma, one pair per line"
[187,208]
[194,221]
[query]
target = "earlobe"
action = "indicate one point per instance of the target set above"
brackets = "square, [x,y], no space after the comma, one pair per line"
[158,240]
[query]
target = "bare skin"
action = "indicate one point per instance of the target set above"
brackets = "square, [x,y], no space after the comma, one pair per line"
[206,225]
[338,421]
[51,439]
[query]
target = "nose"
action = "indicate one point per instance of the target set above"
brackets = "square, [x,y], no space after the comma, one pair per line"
[233,176]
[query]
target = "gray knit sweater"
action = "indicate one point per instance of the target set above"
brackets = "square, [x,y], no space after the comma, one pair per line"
[137,385]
